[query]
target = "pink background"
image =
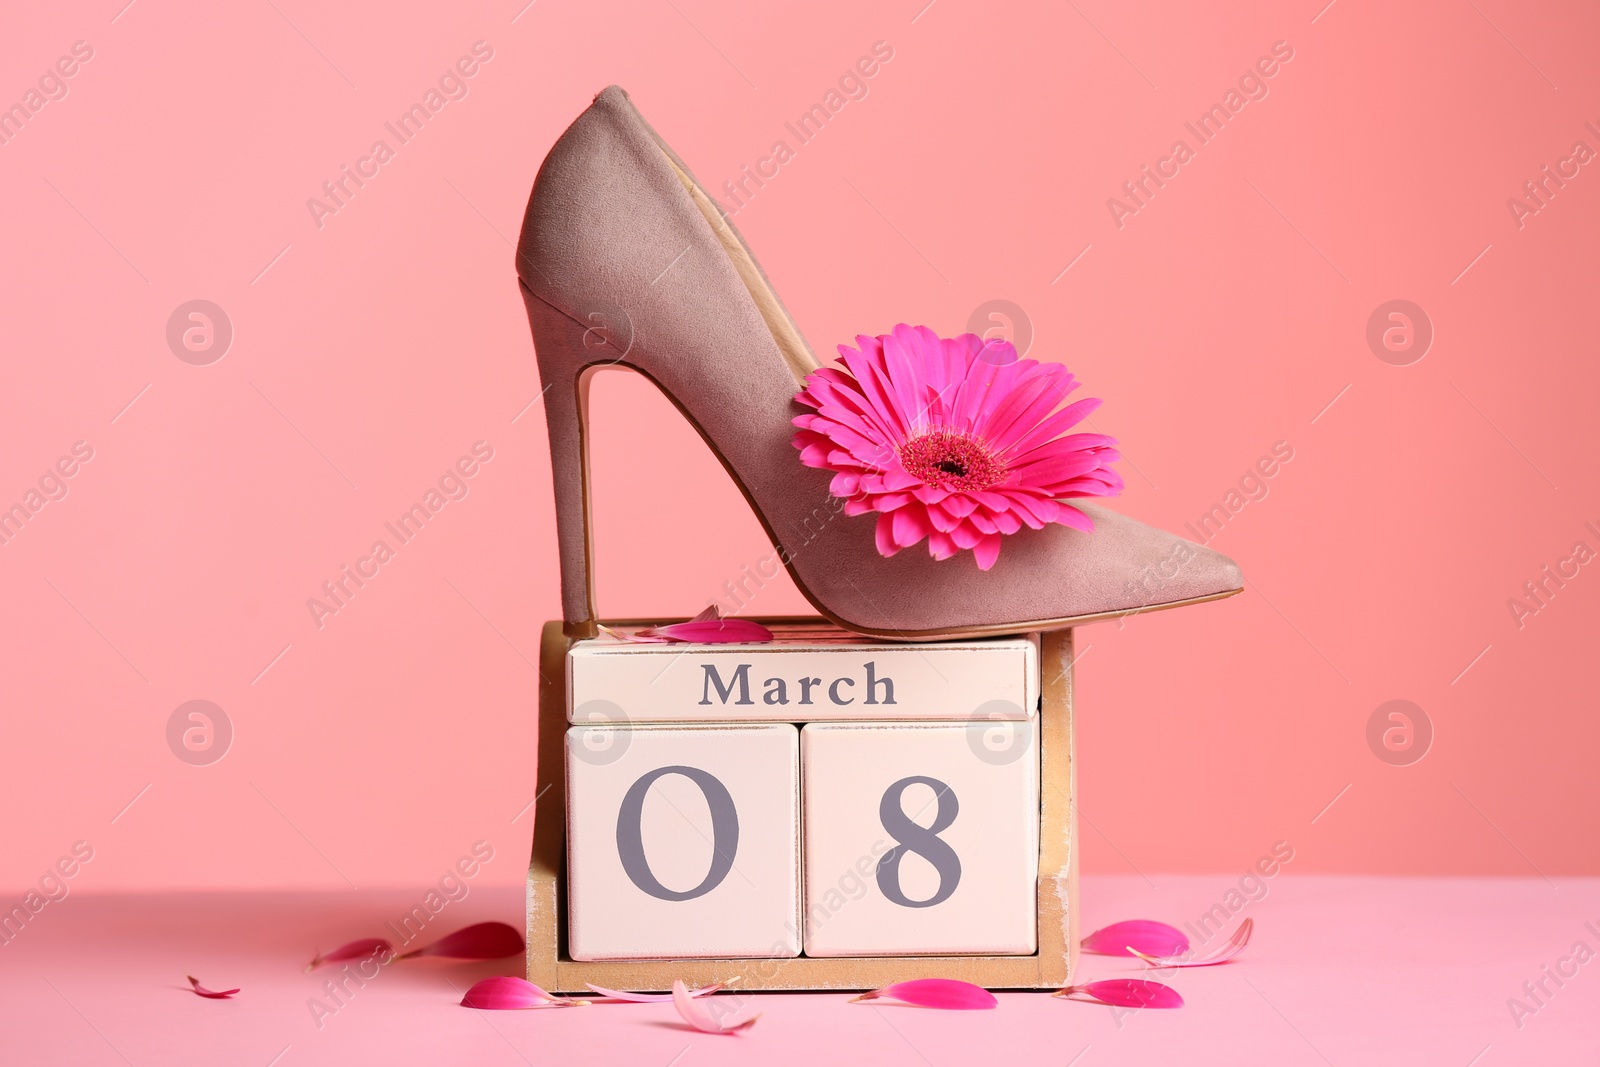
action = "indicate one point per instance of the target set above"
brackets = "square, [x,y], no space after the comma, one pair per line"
[1226,315]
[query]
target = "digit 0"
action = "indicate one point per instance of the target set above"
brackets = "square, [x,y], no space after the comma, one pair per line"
[724,833]
[923,840]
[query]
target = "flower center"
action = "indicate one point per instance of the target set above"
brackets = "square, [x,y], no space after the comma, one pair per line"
[951,460]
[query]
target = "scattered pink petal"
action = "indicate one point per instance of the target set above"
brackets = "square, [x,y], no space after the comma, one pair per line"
[936,993]
[719,632]
[706,628]
[1137,936]
[480,941]
[708,632]
[506,992]
[1224,953]
[354,950]
[698,1015]
[648,998]
[1125,993]
[212,994]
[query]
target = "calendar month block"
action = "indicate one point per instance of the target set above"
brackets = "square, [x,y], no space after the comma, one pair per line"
[810,672]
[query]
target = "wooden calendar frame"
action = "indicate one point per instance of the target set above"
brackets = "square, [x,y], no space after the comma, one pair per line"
[1050,967]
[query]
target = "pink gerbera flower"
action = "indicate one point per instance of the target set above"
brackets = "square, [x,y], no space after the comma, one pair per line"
[953,440]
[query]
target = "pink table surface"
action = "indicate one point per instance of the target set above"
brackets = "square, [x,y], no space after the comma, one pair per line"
[1343,970]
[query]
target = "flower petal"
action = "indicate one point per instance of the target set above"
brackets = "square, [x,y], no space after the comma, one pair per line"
[883,535]
[969,533]
[480,941]
[354,950]
[960,505]
[1055,425]
[941,519]
[948,993]
[876,391]
[1044,508]
[710,632]
[1047,472]
[941,545]
[815,454]
[1071,516]
[700,1016]
[1233,946]
[975,391]
[1022,505]
[1134,936]
[209,994]
[507,992]
[987,551]
[910,525]
[1125,993]
[903,361]
[1020,410]
[890,501]
[649,998]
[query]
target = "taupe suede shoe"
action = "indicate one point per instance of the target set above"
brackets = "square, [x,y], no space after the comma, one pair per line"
[625,261]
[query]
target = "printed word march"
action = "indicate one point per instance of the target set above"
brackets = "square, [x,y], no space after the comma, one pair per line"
[775,690]
[809,673]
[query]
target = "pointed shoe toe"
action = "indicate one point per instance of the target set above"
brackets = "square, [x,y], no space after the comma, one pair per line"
[1044,579]
[1126,565]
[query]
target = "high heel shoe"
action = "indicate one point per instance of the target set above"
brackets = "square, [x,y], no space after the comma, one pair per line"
[625,261]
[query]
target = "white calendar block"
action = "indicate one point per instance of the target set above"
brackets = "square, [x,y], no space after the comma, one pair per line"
[810,672]
[921,839]
[682,841]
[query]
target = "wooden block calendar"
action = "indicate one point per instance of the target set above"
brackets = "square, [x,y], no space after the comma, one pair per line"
[823,812]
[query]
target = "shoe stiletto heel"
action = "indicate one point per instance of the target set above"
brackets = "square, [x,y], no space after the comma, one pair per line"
[625,261]
[564,369]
